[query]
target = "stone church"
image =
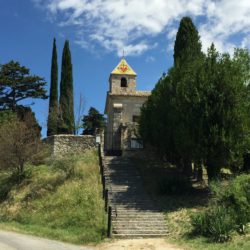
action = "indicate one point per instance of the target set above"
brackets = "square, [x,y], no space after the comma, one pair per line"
[123,104]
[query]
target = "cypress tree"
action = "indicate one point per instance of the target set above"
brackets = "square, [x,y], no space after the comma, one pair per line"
[187,44]
[53,100]
[66,123]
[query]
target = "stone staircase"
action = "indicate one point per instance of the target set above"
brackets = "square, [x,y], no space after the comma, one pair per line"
[134,213]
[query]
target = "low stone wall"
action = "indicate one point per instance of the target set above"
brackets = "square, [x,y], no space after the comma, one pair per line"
[61,145]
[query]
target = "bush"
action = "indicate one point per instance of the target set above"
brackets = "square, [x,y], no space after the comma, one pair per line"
[174,185]
[236,196]
[217,224]
[228,211]
[19,144]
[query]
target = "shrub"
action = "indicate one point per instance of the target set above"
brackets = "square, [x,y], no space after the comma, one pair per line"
[217,224]
[228,211]
[19,144]
[235,195]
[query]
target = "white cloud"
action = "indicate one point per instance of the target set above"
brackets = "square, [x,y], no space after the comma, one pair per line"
[133,25]
[225,19]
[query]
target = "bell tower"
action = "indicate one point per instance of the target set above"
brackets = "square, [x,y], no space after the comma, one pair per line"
[122,79]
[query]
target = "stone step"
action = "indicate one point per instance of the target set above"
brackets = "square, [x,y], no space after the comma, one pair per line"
[117,177]
[135,226]
[145,232]
[138,236]
[122,175]
[122,187]
[136,217]
[118,221]
[134,213]
[141,208]
[139,229]
[136,210]
[127,200]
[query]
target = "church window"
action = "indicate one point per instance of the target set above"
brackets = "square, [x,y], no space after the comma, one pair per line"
[124,83]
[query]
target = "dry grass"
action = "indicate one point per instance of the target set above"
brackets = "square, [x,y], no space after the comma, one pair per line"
[58,203]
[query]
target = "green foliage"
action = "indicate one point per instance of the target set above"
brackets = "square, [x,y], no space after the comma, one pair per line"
[66,164]
[25,114]
[236,196]
[53,203]
[229,210]
[6,115]
[53,99]
[199,112]
[93,122]
[17,85]
[19,144]
[217,223]
[187,44]
[66,121]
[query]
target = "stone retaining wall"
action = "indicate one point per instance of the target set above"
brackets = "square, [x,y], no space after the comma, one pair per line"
[61,145]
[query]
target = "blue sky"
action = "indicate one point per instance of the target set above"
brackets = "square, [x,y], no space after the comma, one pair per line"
[99,30]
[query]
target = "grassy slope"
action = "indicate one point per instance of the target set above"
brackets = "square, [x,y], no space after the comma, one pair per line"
[55,202]
[178,208]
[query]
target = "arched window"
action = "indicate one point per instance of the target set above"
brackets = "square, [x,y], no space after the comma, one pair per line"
[124,82]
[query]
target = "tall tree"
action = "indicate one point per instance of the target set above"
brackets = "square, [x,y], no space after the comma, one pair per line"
[187,44]
[200,111]
[66,121]
[93,122]
[53,99]
[187,57]
[16,85]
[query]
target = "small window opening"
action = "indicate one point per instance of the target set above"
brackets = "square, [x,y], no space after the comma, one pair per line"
[124,82]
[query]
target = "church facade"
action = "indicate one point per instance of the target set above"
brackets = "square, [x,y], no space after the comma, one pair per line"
[123,104]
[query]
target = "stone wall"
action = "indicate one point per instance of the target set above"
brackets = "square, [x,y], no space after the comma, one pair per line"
[61,145]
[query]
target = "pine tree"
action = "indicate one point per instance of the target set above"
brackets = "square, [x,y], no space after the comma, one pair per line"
[66,121]
[53,100]
[187,44]
[17,84]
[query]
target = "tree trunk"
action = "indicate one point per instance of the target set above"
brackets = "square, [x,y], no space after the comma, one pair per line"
[199,172]
[187,168]
[212,172]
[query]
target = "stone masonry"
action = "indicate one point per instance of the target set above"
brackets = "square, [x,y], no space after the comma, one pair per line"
[62,145]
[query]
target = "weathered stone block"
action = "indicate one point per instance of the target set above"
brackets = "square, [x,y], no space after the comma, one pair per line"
[61,145]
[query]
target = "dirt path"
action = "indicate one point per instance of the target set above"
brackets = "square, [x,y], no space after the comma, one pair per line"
[17,241]
[137,244]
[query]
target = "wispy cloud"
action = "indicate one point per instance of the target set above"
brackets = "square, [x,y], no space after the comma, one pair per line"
[133,25]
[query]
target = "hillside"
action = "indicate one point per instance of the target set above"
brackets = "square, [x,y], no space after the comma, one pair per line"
[60,199]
